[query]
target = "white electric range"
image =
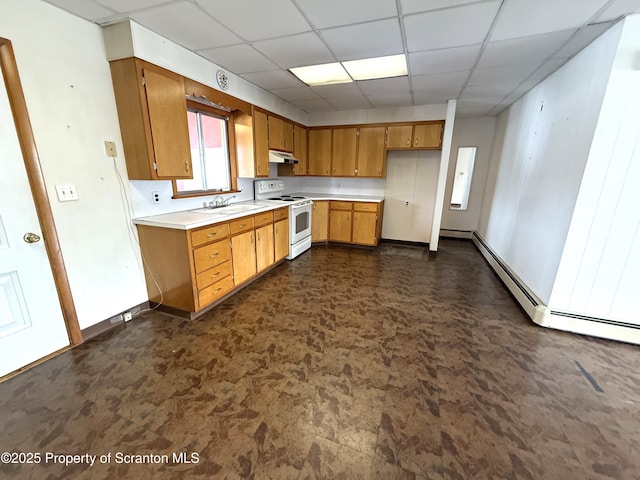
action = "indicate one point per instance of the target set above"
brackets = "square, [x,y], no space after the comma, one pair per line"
[300,209]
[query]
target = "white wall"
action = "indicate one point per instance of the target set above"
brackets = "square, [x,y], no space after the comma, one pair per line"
[540,161]
[600,269]
[67,85]
[469,132]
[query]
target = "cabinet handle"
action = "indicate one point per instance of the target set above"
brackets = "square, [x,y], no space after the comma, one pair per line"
[212,234]
[186,166]
[214,255]
[408,142]
[258,235]
[215,274]
[217,290]
[416,142]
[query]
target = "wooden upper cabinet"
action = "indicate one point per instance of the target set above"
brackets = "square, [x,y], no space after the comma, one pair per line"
[345,142]
[300,150]
[320,152]
[399,136]
[152,111]
[371,152]
[280,134]
[252,147]
[428,135]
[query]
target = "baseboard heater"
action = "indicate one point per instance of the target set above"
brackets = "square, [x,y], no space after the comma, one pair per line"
[544,316]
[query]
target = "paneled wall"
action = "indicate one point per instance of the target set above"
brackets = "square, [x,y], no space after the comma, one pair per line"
[540,152]
[600,269]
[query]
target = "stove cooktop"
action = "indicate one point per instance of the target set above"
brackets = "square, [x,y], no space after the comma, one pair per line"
[287,198]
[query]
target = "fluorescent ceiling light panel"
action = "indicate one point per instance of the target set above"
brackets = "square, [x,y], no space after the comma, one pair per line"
[325,74]
[379,67]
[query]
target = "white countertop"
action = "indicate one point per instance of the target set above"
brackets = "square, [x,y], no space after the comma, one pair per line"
[188,219]
[340,197]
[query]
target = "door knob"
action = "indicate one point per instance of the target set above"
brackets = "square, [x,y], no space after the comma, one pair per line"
[31,237]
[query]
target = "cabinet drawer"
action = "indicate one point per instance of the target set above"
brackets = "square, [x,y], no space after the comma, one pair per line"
[365,206]
[240,225]
[213,275]
[341,205]
[215,291]
[209,234]
[211,255]
[263,218]
[280,214]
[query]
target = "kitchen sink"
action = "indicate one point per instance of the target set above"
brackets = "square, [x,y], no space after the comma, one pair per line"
[229,210]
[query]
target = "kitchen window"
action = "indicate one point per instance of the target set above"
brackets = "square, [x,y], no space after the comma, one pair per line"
[212,161]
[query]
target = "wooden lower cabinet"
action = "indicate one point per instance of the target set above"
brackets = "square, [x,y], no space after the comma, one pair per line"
[320,221]
[190,270]
[264,247]
[355,222]
[281,239]
[243,247]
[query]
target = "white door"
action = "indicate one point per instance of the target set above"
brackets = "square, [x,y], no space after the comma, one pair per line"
[410,195]
[31,321]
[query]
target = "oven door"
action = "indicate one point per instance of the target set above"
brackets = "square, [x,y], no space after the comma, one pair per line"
[300,222]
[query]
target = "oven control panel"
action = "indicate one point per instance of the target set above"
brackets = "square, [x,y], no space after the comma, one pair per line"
[268,187]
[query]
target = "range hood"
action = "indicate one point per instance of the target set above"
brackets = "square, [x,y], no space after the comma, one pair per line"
[282,157]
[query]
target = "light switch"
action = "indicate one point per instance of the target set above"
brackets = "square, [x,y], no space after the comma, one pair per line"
[66,193]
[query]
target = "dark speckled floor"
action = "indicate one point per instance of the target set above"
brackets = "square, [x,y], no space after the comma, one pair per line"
[344,364]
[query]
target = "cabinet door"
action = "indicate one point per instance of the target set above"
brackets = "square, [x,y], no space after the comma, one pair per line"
[281,239]
[280,134]
[399,136]
[320,221]
[340,225]
[428,135]
[287,136]
[168,122]
[343,157]
[261,143]
[364,228]
[371,152]
[243,252]
[264,247]
[320,152]
[300,150]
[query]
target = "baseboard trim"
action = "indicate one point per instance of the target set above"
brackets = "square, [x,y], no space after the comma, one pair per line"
[542,315]
[456,233]
[110,323]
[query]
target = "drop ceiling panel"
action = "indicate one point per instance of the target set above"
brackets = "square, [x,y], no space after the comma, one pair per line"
[384,86]
[446,60]
[128,5]
[319,105]
[84,9]
[521,18]
[337,91]
[273,79]
[507,74]
[391,99]
[239,59]
[372,39]
[257,19]
[350,103]
[331,13]
[202,32]
[618,9]
[493,90]
[296,51]
[547,69]
[581,39]
[439,80]
[436,95]
[526,49]
[414,6]
[295,93]
[453,27]
[478,108]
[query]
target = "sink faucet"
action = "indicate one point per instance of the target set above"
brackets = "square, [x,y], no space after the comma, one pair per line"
[221,202]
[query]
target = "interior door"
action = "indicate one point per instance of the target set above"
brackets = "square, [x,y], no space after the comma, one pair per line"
[31,321]
[410,192]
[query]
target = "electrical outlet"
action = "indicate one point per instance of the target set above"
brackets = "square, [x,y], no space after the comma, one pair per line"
[127,316]
[66,193]
[155,196]
[110,148]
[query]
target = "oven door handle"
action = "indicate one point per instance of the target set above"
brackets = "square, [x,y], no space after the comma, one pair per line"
[304,205]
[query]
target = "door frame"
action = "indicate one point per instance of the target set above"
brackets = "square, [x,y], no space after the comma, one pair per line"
[31,158]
